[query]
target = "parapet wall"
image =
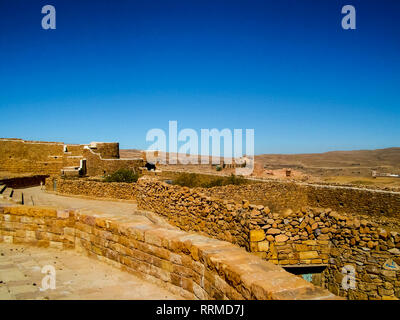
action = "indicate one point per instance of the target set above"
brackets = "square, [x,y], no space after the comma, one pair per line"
[190,265]
[191,210]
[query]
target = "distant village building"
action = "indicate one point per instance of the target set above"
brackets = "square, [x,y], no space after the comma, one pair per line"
[377,174]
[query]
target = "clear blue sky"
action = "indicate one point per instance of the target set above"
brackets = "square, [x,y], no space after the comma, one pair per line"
[112,70]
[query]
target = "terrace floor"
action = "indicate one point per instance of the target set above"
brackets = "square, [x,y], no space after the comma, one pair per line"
[77,277]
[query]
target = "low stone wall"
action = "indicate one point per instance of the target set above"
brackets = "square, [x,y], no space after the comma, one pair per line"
[303,237]
[192,211]
[276,196]
[281,195]
[314,236]
[109,190]
[190,265]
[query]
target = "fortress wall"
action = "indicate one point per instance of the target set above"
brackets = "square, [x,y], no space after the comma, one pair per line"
[190,265]
[276,196]
[37,151]
[190,210]
[18,156]
[375,203]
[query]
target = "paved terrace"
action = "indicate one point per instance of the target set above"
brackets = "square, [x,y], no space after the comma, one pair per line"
[191,265]
[107,208]
[77,277]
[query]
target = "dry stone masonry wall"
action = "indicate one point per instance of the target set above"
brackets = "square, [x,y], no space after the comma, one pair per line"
[279,195]
[81,187]
[315,236]
[190,265]
[48,158]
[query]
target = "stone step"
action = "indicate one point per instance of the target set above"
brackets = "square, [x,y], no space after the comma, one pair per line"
[2,188]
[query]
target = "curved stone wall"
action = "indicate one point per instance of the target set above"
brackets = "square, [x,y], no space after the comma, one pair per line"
[191,265]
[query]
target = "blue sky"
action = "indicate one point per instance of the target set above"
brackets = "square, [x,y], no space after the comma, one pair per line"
[112,70]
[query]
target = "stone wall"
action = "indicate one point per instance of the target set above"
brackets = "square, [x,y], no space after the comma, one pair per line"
[315,236]
[191,210]
[282,195]
[81,187]
[99,166]
[291,238]
[190,265]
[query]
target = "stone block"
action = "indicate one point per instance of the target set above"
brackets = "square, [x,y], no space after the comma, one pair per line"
[263,246]
[257,235]
[305,255]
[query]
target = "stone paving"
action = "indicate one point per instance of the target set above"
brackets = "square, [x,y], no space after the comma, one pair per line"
[77,277]
[43,198]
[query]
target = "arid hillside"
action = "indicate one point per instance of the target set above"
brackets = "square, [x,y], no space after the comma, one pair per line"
[129,153]
[337,163]
[343,167]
